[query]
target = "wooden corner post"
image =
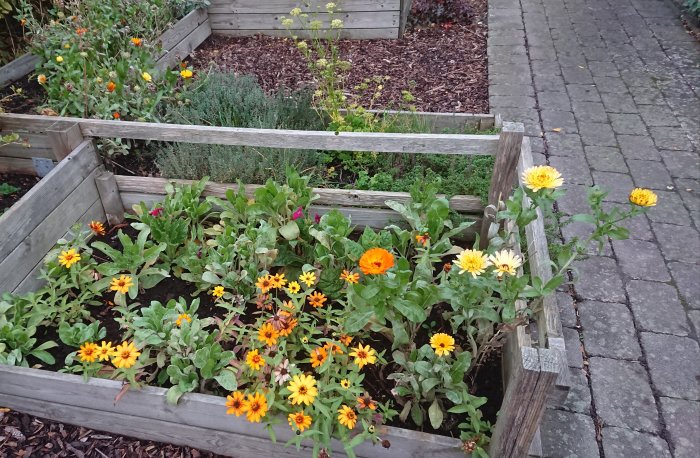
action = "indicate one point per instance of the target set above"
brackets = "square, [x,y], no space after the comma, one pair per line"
[109,195]
[504,174]
[64,138]
[405,11]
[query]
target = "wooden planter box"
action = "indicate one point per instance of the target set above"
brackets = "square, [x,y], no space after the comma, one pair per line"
[534,364]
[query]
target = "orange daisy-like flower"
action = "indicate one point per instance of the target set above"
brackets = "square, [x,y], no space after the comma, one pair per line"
[366,402]
[333,348]
[376,261]
[136,41]
[97,227]
[346,339]
[255,407]
[350,277]
[80,31]
[255,360]
[422,239]
[264,283]
[111,86]
[183,317]
[268,334]
[318,357]
[288,326]
[347,417]
[68,257]
[317,299]
[88,352]
[116,115]
[299,420]
[236,403]
[121,284]
[278,281]
[363,355]
[105,351]
[125,355]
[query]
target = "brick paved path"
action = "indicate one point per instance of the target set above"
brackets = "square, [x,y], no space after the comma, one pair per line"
[621,79]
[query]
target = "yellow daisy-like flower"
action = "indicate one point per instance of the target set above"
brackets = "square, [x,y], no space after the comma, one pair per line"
[125,355]
[186,74]
[255,407]
[317,299]
[218,291]
[308,278]
[59,59]
[345,383]
[350,277]
[105,351]
[473,261]
[542,177]
[363,355]
[443,343]
[97,227]
[299,420]
[278,281]
[236,404]
[121,284]
[68,258]
[294,287]
[255,360]
[264,284]
[146,77]
[268,334]
[347,417]
[303,389]
[505,262]
[643,197]
[88,352]
[183,317]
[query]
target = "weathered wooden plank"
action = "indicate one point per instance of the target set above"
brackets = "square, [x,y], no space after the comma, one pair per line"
[183,49]
[354,20]
[39,146]
[178,32]
[405,11]
[26,214]
[285,6]
[17,165]
[327,196]
[32,249]
[17,69]
[109,195]
[535,450]
[64,140]
[345,34]
[438,122]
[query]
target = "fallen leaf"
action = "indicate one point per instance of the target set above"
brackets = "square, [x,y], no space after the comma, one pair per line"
[556,129]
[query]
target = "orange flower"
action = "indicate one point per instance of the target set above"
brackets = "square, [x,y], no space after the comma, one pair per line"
[288,326]
[318,357]
[350,277]
[317,299]
[111,86]
[331,347]
[22,22]
[376,261]
[366,402]
[268,334]
[422,239]
[136,41]
[80,30]
[346,339]
[97,227]
[265,283]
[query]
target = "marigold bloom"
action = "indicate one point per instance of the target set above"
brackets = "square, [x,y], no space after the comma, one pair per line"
[318,356]
[278,281]
[255,360]
[59,59]
[146,77]
[236,404]
[308,278]
[345,383]
[506,262]
[88,352]
[41,79]
[218,291]
[443,343]
[643,197]
[363,355]
[136,41]
[542,177]
[255,407]
[366,402]
[116,115]
[264,284]
[121,284]
[68,257]
[183,317]
[317,299]
[111,86]
[303,389]
[473,261]
[105,351]
[376,261]
[97,227]
[125,355]
[80,31]
[422,239]
[350,277]
[293,287]
[268,334]
[299,420]
[347,417]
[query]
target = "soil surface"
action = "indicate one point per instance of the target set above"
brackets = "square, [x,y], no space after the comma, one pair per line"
[23,182]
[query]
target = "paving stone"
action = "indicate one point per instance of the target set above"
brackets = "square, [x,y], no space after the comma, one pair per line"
[610,84]
[687,278]
[549,82]
[694,318]
[598,279]
[537,145]
[583,92]
[658,116]
[669,209]
[596,134]
[510,78]
[573,57]
[608,330]
[683,424]
[577,75]
[582,231]
[618,103]
[545,67]
[626,123]
[563,144]
[555,119]
[568,435]
[622,394]
[641,260]
[678,243]
[575,200]
[670,138]
[638,147]
[511,89]
[579,396]
[590,111]
[625,443]
[682,164]
[689,190]
[520,67]
[573,169]
[511,101]
[567,313]
[646,95]
[605,159]
[657,308]
[603,69]
[638,77]
[649,174]
[542,53]
[572,339]
[638,227]
[673,364]
[617,185]
[554,100]
[595,53]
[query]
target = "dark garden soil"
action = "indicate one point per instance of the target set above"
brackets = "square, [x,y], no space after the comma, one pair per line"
[23,182]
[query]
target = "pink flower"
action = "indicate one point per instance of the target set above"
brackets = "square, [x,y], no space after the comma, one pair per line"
[317,218]
[298,214]
[157,211]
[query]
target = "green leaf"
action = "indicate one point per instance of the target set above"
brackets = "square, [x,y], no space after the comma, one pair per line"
[227,379]
[358,320]
[290,231]
[435,414]
[410,309]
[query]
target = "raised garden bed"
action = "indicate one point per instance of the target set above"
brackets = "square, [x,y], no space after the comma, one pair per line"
[532,366]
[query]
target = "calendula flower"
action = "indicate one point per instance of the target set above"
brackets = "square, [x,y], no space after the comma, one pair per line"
[376,261]
[255,407]
[264,284]
[111,86]
[422,239]
[125,355]
[363,355]
[136,41]
[308,278]
[254,360]
[88,352]
[59,59]
[116,115]
[183,317]
[68,257]
[299,420]
[366,402]
[295,12]
[303,389]
[336,24]
[218,291]
[347,417]
[643,197]
[318,357]
[345,383]
[97,227]
[121,284]
[80,31]
[281,372]
[443,343]
[294,287]
[105,351]
[287,22]
[317,299]
[41,79]
[542,177]
[350,277]
[186,73]
[278,281]
[268,334]
[146,77]
[505,262]
[236,404]
[473,261]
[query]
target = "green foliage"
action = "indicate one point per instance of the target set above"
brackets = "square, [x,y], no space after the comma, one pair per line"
[18,328]
[693,6]
[6,189]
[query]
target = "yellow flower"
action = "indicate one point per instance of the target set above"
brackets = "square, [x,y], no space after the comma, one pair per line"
[236,403]
[330,6]
[308,278]
[293,287]
[295,12]
[121,284]
[350,277]
[318,356]
[345,383]
[186,73]
[268,334]
[376,261]
[317,299]
[88,352]
[303,389]
[218,291]
[643,197]
[146,77]
[473,261]
[506,262]
[299,420]
[278,281]
[347,417]
[41,79]
[542,177]
[363,355]
[59,59]
[68,258]
[97,227]
[336,24]
[443,343]
[125,355]
[254,360]
[255,407]
[181,317]
[264,283]
[105,351]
